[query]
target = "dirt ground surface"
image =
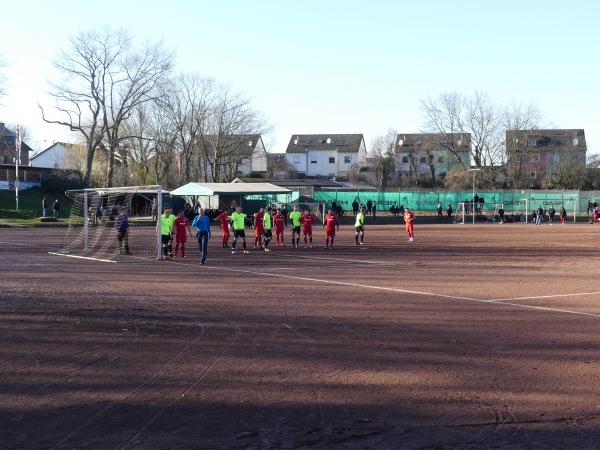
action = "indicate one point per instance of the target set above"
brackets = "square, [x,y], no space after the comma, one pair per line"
[473,337]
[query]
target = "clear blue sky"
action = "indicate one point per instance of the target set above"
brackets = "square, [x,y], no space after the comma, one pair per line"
[339,66]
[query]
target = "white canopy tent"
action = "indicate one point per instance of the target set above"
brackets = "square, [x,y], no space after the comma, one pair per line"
[215,195]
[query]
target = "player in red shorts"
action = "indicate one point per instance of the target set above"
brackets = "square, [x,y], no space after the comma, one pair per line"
[307,220]
[330,225]
[181,225]
[259,228]
[223,219]
[279,225]
[409,219]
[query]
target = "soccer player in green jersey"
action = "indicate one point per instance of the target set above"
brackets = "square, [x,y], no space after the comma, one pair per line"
[295,216]
[167,220]
[360,226]
[268,226]
[238,222]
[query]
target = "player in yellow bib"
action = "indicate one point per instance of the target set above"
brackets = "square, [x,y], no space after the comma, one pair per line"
[295,216]
[167,220]
[360,227]
[238,223]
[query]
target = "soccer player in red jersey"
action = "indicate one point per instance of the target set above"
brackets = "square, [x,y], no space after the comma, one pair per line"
[259,228]
[409,219]
[279,225]
[181,225]
[307,220]
[331,223]
[223,219]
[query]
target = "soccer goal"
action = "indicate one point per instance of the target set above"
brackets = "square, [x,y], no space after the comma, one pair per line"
[92,232]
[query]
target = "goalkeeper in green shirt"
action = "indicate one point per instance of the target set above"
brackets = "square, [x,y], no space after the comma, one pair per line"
[238,223]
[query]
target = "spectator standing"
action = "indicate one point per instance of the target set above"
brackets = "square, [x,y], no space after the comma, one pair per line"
[181,226]
[56,208]
[153,209]
[501,213]
[355,206]
[590,208]
[563,215]
[551,213]
[44,206]
[449,212]
[374,211]
[122,226]
[440,215]
[539,215]
[202,224]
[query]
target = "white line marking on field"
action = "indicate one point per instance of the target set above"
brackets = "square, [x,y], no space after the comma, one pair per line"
[540,296]
[507,301]
[14,243]
[82,257]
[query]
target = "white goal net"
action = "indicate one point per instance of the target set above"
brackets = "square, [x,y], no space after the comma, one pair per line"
[114,224]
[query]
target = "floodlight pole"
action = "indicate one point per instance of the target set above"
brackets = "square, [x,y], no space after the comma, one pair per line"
[17,157]
[473,198]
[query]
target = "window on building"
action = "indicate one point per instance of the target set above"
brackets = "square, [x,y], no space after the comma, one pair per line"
[517,158]
[296,160]
[347,159]
[535,157]
[405,160]
[313,161]
[419,141]
[531,142]
[332,160]
[533,175]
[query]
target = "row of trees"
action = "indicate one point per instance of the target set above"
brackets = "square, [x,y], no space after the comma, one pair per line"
[449,117]
[145,122]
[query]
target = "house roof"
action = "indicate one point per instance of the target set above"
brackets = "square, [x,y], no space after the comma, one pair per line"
[554,137]
[346,143]
[229,188]
[243,144]
[63,144]
[324,184]
[10,137]
[432,141]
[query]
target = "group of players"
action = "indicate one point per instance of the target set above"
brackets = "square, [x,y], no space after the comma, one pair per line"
[267,222]
[272,221]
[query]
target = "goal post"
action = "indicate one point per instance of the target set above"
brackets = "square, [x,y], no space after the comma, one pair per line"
[96,214]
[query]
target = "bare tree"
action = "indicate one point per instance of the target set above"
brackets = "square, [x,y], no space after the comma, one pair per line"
[187,104]
[225,132]
[384,161]
[105,77]
[519,117]
[485,121]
